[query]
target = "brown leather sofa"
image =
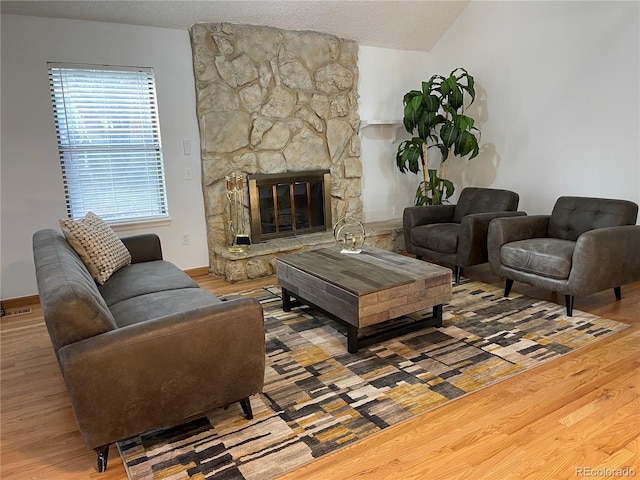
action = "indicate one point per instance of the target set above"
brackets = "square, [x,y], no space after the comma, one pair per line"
[149,348]
[457,234]
[585,246]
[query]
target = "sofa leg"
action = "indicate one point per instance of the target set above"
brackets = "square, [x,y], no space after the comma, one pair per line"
[507,286]
[245,403]
[618,291]
[568,300]
[457,272]
[418,257]
[103,457]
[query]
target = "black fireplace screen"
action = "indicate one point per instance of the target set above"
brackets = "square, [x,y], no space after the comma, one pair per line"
[287,204]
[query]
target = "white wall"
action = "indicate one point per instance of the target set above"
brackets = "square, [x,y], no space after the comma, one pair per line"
[558,103]
[385,76]
[32,193]
[560,97]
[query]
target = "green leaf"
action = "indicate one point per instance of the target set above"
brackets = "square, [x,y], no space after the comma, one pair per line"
[463,122]
[400,161]
[455,98]
[409,123]
[424,126]
[409,156]
[420,198]
[448,188]
[459,73]
[466,144]
[444,88]
[431,103]
[444,151]
[449,134]
[411,114]
[413,155]
[426,87]
[432,86]
[408,97]
[428,122]
[470,88]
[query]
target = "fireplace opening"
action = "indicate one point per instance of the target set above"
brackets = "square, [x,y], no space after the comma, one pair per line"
[288,204]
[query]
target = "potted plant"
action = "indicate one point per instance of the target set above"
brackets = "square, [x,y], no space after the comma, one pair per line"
[436,115]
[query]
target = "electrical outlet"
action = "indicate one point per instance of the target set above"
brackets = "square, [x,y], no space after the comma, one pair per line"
[188,173]
[186,239]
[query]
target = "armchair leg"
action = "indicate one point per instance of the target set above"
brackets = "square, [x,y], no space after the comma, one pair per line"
[507,286]
[618,291]
[245,403]
[457,271]
[103,457]
[568,300]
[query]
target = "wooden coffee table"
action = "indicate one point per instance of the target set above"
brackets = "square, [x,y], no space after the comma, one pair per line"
[360,290]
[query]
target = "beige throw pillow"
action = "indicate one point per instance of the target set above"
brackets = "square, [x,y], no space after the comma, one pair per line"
[97,244]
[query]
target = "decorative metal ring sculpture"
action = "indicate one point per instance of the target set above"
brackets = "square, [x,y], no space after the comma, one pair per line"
[349,234]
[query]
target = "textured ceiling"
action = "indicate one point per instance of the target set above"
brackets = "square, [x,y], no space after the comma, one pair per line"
[398,24]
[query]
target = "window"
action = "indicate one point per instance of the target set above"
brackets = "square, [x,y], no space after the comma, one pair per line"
[109,141]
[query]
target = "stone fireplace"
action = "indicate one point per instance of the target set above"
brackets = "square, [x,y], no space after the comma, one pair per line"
[273,101]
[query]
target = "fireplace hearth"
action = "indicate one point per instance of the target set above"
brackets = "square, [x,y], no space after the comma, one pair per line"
[289,204]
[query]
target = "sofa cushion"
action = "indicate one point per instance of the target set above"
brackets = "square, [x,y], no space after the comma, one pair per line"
[548,257]
[142,278]
[160,304]
[97,244]
[440,237]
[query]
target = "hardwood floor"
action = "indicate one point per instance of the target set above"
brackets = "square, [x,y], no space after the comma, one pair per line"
[581,411]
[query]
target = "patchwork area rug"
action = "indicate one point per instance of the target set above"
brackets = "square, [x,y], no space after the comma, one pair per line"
[319,398]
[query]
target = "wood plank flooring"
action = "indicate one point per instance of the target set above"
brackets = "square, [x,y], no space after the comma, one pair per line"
[580,411]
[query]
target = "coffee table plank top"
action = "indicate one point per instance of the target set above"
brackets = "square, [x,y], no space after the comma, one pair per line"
[370,271]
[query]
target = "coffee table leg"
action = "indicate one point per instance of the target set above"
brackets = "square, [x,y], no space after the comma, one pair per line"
[352,339]
[437,315]
[286,300]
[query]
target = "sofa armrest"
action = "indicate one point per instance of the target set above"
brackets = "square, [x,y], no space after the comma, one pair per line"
[143,248]
[164,371]
[472,240]
[510,229]
[605,258]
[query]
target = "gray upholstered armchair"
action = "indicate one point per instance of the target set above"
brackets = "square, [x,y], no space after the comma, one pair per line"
[457,234]
[585,246]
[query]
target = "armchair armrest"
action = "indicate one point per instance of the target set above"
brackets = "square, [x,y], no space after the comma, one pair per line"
[472,240]
[161,372]
[414,216]
[143,248]
[424,215]
[510,229]
[605,258]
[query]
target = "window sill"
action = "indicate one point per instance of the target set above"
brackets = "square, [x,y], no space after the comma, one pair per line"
[140,223]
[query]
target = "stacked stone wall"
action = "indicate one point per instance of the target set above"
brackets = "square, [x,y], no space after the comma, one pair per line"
[272,101]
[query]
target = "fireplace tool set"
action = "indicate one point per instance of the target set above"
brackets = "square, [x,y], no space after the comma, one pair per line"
[237,237]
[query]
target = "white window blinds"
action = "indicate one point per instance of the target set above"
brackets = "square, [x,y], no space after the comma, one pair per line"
[109,141]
